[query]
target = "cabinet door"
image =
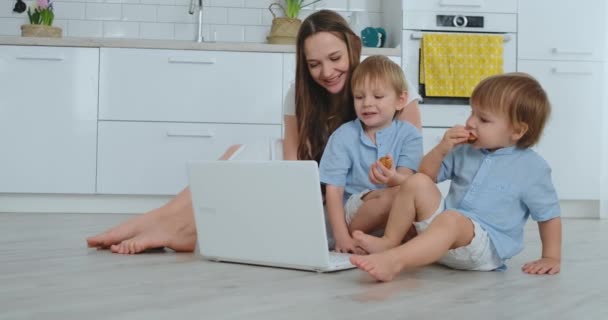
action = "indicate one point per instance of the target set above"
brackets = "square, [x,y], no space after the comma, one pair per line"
[190,86]
[570,140]
[48,119]
[564,30]
[502,6]
[151,158]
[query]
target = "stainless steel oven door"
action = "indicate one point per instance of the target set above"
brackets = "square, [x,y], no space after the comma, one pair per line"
[438,113]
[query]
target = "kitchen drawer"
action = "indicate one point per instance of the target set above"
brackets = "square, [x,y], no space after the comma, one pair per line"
[485,6]
[150,158]
[190,86]
[563,36]
[444,116]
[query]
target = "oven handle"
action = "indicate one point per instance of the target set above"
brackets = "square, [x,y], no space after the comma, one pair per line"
[418,36]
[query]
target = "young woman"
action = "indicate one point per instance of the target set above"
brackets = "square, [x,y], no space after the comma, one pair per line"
[327,52]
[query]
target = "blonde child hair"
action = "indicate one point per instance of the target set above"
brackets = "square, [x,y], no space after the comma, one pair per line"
[379,70]
[520,97]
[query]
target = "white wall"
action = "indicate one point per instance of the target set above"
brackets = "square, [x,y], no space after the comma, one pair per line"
[224,20]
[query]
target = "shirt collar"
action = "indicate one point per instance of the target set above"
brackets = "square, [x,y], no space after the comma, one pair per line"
[501,151]
[388,131]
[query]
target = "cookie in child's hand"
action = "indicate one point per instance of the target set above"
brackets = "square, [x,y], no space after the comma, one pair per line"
[472,138]
[386,162]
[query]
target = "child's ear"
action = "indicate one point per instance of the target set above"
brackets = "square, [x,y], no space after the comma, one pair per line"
[519,130]
[402,100]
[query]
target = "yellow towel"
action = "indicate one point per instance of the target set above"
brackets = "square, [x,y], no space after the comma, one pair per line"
[451,65]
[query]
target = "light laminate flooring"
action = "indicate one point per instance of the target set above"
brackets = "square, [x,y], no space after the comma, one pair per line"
[47,272]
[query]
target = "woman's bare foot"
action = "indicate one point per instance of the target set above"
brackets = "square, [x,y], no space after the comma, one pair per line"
[381,266]
[155,229]
[372,244]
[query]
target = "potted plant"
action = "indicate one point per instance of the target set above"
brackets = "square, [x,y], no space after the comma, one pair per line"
[285,29]
[41,21]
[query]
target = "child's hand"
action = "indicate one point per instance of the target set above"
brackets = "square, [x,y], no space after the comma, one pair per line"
[379,174]
[347,244]
[454,136]
[542,266]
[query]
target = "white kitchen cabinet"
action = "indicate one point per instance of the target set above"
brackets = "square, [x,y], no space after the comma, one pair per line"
[572,138]
[190,86]
[563,30]
[48,119]
[150,158]
[485,6]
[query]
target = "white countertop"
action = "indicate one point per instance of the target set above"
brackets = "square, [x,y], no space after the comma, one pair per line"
[168,44]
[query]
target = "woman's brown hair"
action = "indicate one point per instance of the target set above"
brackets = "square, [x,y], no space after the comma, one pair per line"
[318,112]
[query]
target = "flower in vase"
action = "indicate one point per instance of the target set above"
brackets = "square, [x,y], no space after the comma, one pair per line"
[42,13]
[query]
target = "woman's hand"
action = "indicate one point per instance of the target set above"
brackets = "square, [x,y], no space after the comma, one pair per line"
[542,266]
[379,174]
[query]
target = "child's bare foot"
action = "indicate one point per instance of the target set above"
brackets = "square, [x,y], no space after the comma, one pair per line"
[381,266]
[372,244]
[151,230]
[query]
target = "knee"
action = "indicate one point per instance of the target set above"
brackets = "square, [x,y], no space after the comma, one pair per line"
[416,181]
[450,217]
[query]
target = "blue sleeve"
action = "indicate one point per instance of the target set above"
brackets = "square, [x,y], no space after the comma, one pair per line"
[541,198]
[411,150]
[335,162]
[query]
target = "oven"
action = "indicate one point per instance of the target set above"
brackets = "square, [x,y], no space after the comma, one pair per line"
[445,111]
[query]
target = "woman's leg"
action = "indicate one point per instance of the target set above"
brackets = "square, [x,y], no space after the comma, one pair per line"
[449,230]
[171,225]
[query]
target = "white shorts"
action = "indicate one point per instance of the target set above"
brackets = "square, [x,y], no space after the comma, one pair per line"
[260,150]
[353,204]
[479,255]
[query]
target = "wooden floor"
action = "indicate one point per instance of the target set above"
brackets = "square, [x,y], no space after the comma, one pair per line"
[46,272]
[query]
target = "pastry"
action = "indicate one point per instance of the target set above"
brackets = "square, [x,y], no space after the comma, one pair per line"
[472,138]
[386,162]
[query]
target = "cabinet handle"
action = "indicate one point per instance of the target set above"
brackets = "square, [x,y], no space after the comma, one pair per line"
[582,53]
[192,60]
[190,134]
[419,35]
[459,3]
[579,73]
[40,58]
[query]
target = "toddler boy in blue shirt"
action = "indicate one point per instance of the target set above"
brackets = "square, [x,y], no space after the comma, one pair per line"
[497,182]
[349,166]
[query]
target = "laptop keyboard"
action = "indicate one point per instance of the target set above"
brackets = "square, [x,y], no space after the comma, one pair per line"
[338,258]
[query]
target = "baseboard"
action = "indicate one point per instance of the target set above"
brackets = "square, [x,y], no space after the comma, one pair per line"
[68,203]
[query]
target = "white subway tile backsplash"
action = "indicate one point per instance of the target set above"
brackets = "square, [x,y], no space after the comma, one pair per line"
[114,29]
[244,16]
[227,33]
[227,3]
[10,26]
[84,28]
[103,11]
[213,15]
[134,12]
[163,31]
[256,34]
[174,14]
[223,20]
[69,10]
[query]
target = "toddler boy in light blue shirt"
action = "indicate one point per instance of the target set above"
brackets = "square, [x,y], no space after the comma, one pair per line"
[497,182]
[349,166]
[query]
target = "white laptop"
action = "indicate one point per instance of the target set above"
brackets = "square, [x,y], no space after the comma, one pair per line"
[262,212]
